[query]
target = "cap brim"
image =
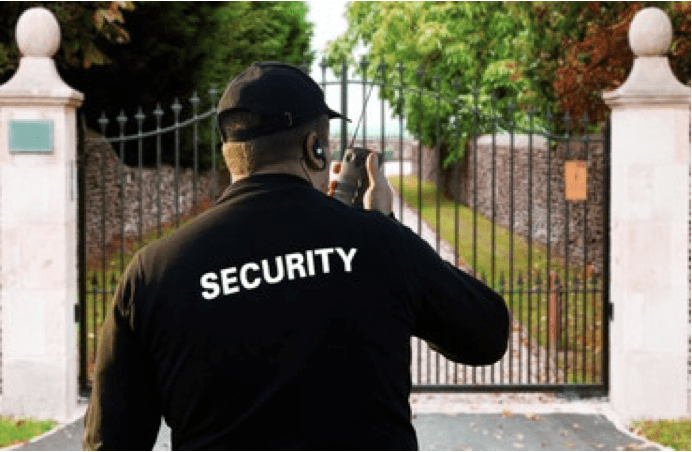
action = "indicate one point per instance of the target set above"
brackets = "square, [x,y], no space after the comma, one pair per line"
[332,115]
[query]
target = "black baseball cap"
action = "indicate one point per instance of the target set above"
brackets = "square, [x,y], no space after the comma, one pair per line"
[282,95]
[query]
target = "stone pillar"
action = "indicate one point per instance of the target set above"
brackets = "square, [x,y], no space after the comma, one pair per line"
[650,208]
[38,257]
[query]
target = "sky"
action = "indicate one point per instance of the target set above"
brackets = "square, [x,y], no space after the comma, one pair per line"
[329,19]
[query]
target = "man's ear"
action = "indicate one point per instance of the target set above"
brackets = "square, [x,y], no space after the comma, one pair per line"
[314,154]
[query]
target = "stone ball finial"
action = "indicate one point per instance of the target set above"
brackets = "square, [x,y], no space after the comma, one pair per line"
[38,33]
[650,33]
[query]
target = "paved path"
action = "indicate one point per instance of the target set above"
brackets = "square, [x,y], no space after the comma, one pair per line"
[504,430]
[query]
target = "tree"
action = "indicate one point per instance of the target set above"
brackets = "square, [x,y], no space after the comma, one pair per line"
[450,48]
[540,56]
[85,28]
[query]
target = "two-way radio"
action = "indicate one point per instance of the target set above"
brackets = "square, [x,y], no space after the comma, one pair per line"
[352,181]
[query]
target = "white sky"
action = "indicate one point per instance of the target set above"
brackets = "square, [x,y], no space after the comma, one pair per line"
[329,19]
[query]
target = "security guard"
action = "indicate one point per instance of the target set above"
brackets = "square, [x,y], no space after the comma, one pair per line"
[282,318]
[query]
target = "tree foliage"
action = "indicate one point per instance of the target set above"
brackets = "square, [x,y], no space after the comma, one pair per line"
[85,28]
[520,58]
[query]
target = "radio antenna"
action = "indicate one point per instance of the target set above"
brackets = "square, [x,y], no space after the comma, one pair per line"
[361,116]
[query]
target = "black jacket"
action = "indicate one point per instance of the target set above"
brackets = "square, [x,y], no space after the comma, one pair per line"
[281,319]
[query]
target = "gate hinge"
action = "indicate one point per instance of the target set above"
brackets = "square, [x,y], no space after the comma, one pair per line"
[76,313]
[611,308]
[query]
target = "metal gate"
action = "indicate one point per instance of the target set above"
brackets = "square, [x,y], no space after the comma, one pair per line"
[501,213]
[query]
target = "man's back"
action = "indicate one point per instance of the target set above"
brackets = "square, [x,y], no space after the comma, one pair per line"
[281,319]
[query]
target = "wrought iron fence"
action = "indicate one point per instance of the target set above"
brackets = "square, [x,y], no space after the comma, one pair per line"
[555,283]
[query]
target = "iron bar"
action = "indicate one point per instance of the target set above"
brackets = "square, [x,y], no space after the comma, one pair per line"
[511,230]
[81,252]
[605,283]
[364,67]
[493,213]
[103,122]
[566,256]
[140,120]
[176,107]
[122,119]
[400,68]
[549,119]
[158,113]
[213,93]
[585,250]
[344,106]
[530,257]
[195,100]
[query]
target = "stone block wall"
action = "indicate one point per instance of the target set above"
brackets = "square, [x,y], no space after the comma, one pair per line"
[137,208]
[512,189]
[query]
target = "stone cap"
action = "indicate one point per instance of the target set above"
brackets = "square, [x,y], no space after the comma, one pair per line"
[37,81]
[651,81]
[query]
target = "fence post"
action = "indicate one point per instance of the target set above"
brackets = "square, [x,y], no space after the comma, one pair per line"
[38,235]
[649,218]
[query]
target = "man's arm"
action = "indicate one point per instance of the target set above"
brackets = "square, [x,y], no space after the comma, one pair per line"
[458,315]
[124,411]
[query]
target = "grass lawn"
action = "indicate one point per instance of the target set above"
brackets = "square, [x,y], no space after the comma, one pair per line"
[14,431]
[673,434]
[526,293]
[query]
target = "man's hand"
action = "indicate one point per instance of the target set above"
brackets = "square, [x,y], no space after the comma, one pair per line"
[379,194]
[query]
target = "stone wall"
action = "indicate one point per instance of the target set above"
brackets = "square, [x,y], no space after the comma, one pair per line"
[143,192]
[547,191]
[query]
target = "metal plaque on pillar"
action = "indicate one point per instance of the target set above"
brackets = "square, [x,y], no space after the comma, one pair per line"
[576,182]
[31,136]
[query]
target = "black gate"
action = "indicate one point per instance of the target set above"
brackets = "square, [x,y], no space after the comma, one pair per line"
[525,209]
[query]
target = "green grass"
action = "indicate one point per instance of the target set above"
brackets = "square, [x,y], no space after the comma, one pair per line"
[670,433]
[14,431]
[581,340]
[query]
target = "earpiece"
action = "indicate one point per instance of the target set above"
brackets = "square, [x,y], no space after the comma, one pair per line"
[317,155]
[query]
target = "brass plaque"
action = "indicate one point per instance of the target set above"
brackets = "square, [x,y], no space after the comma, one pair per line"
[576,182]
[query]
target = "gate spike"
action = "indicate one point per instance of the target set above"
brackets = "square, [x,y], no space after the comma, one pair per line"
[122,119]
[212,94]
[103,122]
[140,118]
[323,63]
[520,280]
[114,282]
[502,279]
[176,107]
[195,100]
[158,112]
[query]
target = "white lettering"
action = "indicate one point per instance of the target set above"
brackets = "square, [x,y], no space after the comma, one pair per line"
[294,262]
[324,253]
[279,271]
[347,258]
[243,276]
[292,266]
[227,281]
[311,263]
[208,282]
